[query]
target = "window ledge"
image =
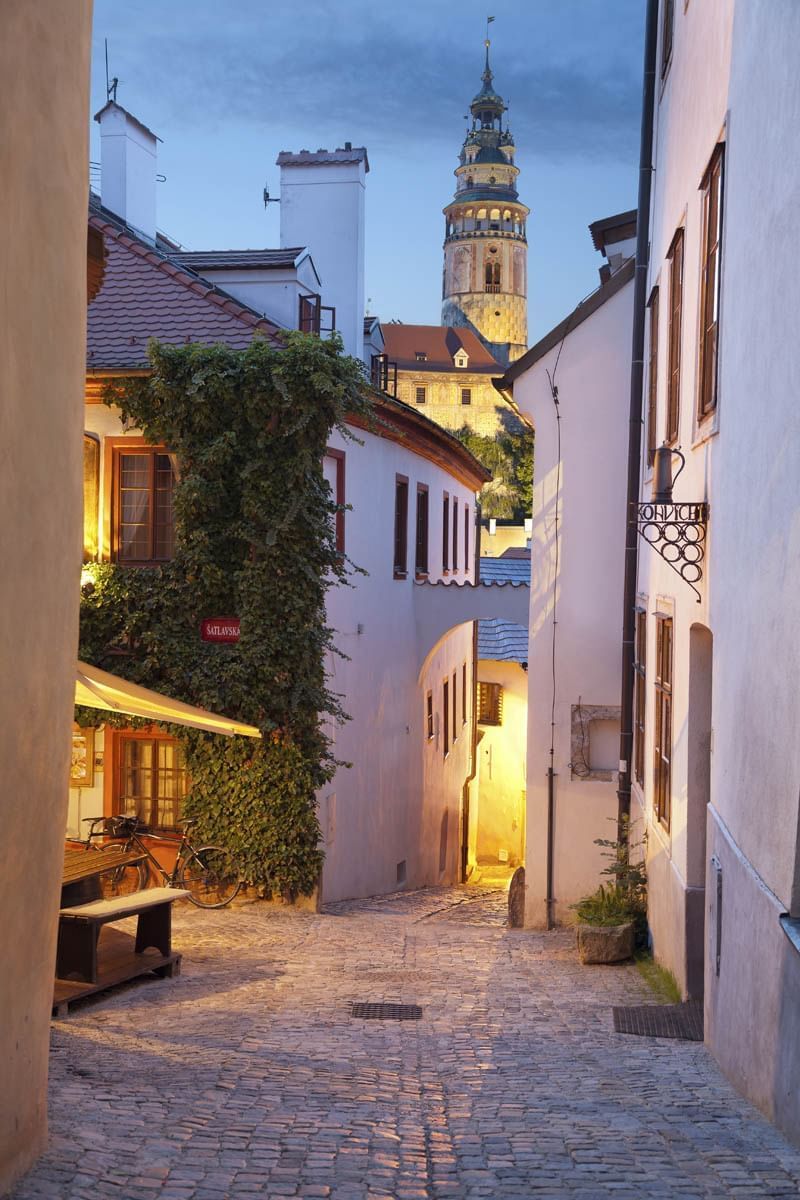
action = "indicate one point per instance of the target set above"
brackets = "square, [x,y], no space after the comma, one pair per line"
[421,576]
[400,574]
[791,927]
[707,429]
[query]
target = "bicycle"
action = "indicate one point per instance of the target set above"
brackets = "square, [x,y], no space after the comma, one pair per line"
[206,872]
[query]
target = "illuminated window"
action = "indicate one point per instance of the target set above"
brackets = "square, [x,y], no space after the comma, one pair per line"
[143,521]
[490,704]
[151,780]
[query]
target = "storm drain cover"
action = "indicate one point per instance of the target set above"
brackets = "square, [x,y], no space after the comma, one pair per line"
[386,1012]
[661,1020]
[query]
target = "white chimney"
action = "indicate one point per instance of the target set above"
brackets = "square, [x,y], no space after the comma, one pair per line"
[322,208]
[128,169]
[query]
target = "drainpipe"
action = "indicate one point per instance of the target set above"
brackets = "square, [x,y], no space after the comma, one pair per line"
[473,757]
[635,419]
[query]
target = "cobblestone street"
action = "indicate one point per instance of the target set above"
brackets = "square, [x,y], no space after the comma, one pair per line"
[247,1076]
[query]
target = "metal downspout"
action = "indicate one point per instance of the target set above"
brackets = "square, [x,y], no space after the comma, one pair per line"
[635,420]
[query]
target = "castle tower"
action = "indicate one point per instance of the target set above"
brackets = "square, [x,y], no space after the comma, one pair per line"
[485,248]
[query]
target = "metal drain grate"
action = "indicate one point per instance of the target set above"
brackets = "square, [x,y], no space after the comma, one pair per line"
[386,1012]
[661,1020]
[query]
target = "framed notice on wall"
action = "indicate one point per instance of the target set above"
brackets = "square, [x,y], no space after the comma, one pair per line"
[81,771]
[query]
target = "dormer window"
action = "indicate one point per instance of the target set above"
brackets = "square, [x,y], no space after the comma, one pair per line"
[461,359]
[420,356]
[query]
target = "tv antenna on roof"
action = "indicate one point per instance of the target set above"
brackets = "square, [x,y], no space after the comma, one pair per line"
[269,199]
[111,88]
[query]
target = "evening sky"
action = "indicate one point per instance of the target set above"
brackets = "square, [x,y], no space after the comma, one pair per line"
[228,85]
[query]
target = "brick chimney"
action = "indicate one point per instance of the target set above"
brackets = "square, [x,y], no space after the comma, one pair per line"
[128,151]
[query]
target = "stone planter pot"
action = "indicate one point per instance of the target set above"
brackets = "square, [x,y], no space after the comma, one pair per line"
[605,943]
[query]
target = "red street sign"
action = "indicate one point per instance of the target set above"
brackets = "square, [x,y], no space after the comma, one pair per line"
[220,629]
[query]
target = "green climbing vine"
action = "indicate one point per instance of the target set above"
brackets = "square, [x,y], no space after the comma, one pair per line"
[255,538]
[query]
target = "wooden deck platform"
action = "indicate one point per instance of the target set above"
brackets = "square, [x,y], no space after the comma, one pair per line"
[117,963]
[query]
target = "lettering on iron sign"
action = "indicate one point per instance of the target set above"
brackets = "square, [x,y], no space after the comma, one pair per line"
[220,629]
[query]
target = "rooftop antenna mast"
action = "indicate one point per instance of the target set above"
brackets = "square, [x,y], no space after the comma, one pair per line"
[111,88]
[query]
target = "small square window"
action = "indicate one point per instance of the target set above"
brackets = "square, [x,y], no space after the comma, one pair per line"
[420,395]
[420,356]
[466,395]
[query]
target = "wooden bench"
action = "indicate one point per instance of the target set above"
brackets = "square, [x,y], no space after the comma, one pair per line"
[82,971]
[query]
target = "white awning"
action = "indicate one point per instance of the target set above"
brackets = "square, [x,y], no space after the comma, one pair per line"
[99,689]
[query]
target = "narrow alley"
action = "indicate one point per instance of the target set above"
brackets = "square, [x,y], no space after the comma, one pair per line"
[248,1075]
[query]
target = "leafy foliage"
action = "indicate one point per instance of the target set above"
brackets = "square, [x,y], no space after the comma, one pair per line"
[625,898]
[255,538]
[509,456]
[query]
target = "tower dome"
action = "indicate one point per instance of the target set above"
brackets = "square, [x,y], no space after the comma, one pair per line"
[485,245]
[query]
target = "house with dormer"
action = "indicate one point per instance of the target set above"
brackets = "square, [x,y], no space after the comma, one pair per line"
[448,373]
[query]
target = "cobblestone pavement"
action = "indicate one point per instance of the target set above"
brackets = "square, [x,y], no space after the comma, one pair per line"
[248,1077]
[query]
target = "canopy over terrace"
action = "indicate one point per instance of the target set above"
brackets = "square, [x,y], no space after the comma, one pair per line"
[99,689]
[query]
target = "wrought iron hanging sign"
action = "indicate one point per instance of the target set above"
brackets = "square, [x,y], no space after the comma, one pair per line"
[675,530]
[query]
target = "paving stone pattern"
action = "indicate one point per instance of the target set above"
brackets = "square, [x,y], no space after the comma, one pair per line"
[247,1076]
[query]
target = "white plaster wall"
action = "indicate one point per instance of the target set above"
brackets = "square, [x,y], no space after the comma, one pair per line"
[500,803]
[755,568]
[593,379]
[276,294]
[322,207]
[390,805]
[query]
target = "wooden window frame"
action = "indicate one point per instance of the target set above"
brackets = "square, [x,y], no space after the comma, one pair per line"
[662,747]
[400,527]
[339,494]
[676,269]
[116,448]
[667,35]
[115,760]
[463,693]
[455,707]
[454,553]
[640,695]
[420,393]
[446,718]
[713,189]
[466,396]
[652,379]
[309,315]
[466,540]
[429,731]
[490,703]
[422,532]
[445,533]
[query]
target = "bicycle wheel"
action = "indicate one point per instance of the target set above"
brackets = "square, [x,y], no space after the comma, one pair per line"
[123,880]
[209,876]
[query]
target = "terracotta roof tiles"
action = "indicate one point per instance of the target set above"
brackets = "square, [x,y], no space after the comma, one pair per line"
[145,295]
[439,344]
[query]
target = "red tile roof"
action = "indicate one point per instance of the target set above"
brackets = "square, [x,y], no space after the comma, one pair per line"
[147,295]
[439,344]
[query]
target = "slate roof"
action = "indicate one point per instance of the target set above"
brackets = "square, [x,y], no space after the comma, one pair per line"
[146,294]
[248,260]
[501,570]
[502,641]
[439,343]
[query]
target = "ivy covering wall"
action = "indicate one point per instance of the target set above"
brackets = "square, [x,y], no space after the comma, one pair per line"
[255,538]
